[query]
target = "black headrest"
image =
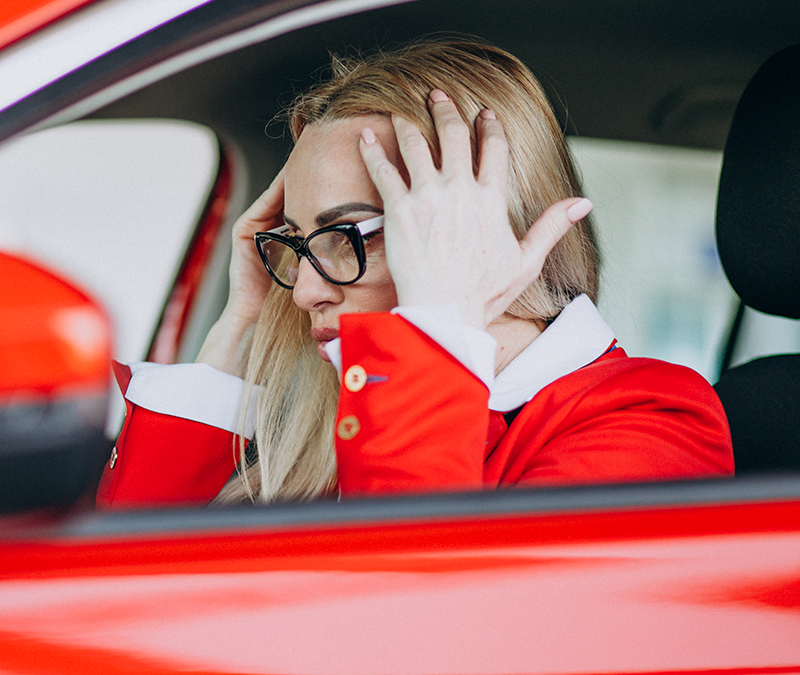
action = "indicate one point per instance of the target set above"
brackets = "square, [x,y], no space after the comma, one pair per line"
[758,208]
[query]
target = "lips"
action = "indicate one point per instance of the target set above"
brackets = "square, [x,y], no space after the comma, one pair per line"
[324,335]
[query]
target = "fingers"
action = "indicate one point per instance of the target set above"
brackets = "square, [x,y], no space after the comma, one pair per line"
[382,172]
[414,150]
[548,229]
[270,202]
[493,154]
[264,211]
[579,208]
[456,148]
[453,134]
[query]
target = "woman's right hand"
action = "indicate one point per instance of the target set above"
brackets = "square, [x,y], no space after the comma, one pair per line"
[227,345]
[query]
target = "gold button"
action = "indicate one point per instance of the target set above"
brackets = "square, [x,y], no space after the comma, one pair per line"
[355,378]
[114,456]
[348,427]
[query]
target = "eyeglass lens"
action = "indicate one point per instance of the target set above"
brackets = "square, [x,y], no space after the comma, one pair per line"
[282,261]
[332,251]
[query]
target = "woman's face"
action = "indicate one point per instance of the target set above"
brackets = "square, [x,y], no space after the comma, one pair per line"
[327,183]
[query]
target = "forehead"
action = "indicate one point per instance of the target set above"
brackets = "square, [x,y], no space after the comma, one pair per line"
[325,168]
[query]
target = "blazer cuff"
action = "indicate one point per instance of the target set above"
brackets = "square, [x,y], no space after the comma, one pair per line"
[194,391]
[474,348]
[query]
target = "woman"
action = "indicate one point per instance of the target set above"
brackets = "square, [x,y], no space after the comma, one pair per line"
[471,355]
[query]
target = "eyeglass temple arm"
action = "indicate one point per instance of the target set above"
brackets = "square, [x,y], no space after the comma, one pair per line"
[367,226]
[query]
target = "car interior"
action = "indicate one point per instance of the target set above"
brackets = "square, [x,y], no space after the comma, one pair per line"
[757,225]
[662,80]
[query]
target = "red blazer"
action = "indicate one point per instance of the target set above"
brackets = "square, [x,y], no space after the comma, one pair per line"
[413,418]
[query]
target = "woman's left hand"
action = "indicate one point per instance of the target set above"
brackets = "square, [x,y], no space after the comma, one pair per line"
[448,237]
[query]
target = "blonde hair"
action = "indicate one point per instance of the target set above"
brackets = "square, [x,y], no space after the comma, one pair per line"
[297,407]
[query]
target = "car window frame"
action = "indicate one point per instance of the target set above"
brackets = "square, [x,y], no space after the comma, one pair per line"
[218,28]
[212,29]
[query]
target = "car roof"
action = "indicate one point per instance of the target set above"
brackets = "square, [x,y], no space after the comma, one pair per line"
[23,17]
[667,72]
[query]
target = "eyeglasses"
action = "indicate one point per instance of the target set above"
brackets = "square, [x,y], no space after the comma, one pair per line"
[336,251]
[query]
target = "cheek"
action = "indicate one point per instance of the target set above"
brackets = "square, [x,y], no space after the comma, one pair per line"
[375,291]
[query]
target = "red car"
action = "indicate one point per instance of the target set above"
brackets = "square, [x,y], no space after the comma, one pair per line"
[683,577]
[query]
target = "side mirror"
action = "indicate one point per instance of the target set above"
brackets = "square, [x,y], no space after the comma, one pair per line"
[55,350]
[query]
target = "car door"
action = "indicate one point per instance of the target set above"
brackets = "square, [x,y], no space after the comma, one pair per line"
[689,577]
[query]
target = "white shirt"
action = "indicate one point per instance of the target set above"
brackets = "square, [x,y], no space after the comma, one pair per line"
[579,335]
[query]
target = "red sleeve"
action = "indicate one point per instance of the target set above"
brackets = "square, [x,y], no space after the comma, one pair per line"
[619,419]
[411,417]
[160,460]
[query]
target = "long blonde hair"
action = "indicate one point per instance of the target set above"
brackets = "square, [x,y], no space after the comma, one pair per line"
[299,392]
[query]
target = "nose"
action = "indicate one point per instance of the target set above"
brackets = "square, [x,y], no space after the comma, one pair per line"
[311,292]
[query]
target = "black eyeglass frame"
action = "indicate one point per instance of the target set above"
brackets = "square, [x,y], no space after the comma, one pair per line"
[354,232]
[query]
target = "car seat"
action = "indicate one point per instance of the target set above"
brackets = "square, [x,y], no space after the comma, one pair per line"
[758,235]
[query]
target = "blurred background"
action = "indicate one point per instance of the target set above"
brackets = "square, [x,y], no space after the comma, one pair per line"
[128,194]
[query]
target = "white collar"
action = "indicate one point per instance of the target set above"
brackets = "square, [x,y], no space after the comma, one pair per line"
[578,336]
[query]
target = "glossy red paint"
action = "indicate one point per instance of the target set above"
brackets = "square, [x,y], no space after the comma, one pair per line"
[711,590]
[53,337]
[308,549]
[19,18]
[699,589]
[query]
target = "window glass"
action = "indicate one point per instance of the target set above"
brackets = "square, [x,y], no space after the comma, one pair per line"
[663,290]
[110,204]
[764,335]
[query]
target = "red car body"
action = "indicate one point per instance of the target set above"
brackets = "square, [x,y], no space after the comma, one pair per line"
[18,19]
[690,577]
[518,583]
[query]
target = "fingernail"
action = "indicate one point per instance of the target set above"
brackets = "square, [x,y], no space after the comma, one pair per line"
[487,114]
[579,209]
[437,96]
[368,136]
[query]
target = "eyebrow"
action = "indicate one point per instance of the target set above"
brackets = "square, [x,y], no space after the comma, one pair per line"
[327,217]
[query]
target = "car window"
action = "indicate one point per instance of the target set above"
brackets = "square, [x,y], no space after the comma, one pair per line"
[129,193]
[764,335]
[663,290]
[111,204]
